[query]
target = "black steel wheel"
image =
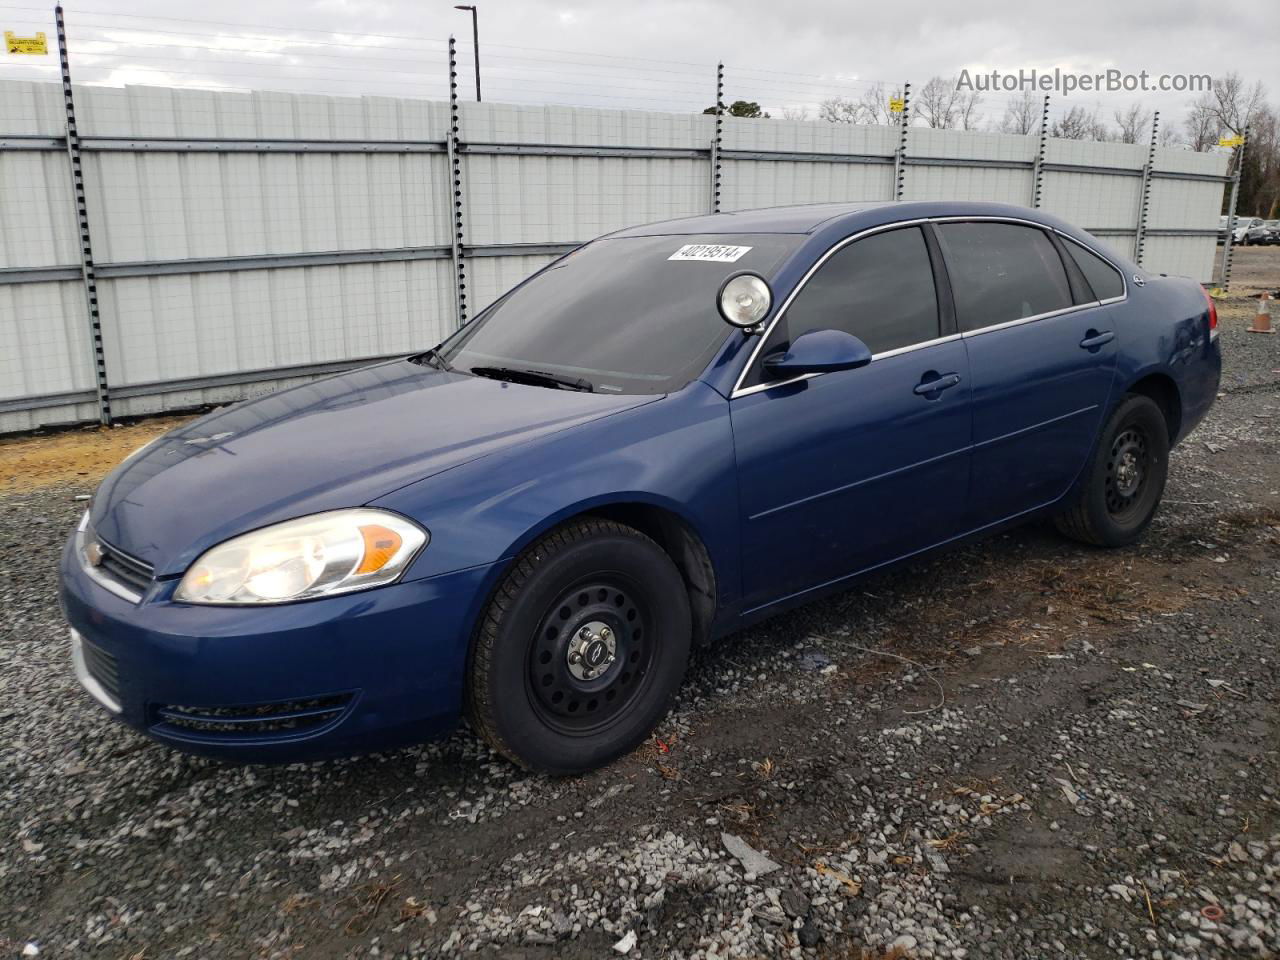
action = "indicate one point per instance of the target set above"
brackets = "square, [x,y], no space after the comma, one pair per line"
[1120,489]
[1128,471]
[590,654]
[581,648]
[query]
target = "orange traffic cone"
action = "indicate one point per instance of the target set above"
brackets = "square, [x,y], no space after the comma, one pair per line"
[1262,322]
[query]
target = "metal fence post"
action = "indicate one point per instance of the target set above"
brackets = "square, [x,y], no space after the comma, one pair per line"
[1144,206]
[900,157]
[1229,243]
[715,144]
[87,270]
[455,177]
[1038,171]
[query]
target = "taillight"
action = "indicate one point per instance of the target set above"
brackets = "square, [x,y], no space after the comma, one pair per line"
[1213,314]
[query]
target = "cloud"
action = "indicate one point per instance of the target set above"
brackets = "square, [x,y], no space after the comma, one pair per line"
[655,55]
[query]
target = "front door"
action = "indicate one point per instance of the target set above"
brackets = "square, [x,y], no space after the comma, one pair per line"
[845,471]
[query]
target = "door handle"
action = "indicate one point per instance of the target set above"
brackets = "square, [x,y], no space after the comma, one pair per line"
[1093,339]
[930,388]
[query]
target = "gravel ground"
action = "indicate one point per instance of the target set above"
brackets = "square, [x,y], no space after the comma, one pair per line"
[1027,748]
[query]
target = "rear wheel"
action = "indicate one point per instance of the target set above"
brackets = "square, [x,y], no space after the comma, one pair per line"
[1125,478]
[581,649]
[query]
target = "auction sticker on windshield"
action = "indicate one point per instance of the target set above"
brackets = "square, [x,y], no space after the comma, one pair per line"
[711,252]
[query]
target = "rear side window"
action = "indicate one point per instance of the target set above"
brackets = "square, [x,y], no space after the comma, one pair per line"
[1002,272]
[880,289]
[1102,276]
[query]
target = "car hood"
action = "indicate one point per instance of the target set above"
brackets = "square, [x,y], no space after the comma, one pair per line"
[338,442]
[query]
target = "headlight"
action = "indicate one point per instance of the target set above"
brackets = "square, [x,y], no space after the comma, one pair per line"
[314,556]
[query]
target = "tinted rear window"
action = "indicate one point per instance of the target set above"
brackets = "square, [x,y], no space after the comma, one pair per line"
[1002,272]
[1103,278]
[619,313]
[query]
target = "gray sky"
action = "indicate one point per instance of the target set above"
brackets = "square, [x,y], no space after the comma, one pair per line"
[655,55]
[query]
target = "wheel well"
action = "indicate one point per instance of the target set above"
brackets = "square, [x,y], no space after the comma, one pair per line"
[685,548]
[1161,389]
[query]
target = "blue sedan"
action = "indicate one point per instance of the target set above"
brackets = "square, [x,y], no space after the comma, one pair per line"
[666,435]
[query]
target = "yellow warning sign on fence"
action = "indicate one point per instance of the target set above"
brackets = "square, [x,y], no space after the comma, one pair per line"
[897,104]
[1236,141]
[16,44]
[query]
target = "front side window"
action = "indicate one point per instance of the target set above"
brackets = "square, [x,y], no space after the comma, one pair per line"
[879,288]
[1002,272]
[1104,279]
[633,315]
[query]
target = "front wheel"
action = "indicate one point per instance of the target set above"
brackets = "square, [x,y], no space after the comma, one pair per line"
[581,650]
[1124,480]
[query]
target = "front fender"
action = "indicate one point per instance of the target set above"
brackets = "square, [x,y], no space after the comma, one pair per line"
[676,454]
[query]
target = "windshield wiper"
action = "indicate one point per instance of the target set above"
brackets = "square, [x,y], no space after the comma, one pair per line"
[432,358]
[537,378]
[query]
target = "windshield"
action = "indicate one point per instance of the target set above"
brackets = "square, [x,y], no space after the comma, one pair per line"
[617,315]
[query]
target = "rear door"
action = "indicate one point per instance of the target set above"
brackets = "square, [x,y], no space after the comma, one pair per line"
[1042,354]
[841,472]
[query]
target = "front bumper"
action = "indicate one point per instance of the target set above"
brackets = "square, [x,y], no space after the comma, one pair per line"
[330,677]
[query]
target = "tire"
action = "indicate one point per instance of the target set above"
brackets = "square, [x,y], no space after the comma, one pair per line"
[1124,480]
[609,595]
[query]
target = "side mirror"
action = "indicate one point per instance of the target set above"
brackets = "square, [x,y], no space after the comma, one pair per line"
[819,351]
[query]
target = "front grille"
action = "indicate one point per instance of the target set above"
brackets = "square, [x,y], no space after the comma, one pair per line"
[121,567]
[282,720]
[102,667]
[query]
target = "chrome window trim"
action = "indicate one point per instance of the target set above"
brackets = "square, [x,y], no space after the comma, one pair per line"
[87,680]
[759,387]
[1031,319]
[898,351]
[740,391]
[1124,281]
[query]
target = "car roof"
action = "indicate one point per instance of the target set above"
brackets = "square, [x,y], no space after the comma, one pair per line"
[809,218]
[799,218]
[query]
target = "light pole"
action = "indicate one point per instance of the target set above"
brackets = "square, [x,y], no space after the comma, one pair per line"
[475,47]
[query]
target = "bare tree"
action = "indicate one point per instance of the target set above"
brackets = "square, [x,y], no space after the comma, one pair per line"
[839,110]
[1170,137]
[1202,125]
[1260,183]
[1235,104]
[1022,115]
[872,107]
[875,105]
[795,113]
[1079,123]
[937,103]
[968,114]
[1132,123]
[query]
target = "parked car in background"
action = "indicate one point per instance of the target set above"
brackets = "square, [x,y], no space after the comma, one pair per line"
[663,437]
[1267,232]
[1243,226]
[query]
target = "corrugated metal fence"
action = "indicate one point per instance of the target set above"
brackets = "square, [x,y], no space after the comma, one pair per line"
[245,241]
